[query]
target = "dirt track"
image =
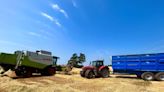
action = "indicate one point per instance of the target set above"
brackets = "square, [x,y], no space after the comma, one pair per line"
[74,83]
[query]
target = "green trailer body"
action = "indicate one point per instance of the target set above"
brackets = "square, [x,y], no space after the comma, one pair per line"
[8,58]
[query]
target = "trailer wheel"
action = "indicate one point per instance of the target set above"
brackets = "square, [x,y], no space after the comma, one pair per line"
[159,76]
[105,73]
[147,76]
[89,74]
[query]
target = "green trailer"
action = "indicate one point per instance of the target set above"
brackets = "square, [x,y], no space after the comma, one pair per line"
[24,63]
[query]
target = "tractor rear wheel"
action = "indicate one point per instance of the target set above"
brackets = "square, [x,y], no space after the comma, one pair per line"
[89,74]
[104,73]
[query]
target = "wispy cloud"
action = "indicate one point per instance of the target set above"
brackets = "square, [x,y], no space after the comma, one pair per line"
[39,35]
[47,16]
[57,8]
[51,18]
[57,22]
[34,34]
[74,3]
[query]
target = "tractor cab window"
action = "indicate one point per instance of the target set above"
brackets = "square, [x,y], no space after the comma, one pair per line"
[94,63]
[97,63]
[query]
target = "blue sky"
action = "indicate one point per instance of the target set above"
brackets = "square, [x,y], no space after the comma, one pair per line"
[98,28]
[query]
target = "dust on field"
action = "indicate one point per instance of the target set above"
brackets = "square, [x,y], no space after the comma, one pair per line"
[75,83]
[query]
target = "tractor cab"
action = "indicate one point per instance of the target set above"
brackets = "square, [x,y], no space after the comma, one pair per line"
[97,63]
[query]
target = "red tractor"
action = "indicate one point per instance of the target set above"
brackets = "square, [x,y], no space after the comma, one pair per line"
[96,69]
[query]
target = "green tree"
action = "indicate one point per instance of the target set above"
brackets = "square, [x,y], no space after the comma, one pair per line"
[75,59]
[82,58]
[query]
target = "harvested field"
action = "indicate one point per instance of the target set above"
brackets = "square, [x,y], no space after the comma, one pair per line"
[75,83]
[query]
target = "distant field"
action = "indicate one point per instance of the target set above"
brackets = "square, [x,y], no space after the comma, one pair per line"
[75,83]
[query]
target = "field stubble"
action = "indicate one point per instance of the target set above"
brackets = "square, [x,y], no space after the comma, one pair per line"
[75,83]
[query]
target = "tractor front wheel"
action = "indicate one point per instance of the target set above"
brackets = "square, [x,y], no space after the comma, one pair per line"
[105,73]
[89,74]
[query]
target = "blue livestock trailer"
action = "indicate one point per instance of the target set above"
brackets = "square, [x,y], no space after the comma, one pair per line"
[145,66]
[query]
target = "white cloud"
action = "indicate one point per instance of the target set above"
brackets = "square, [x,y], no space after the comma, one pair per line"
[51,18]
[57,8]
[47,16]
[74,3]
[34,34]
[57,22]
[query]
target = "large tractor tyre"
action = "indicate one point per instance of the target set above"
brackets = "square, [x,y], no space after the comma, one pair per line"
[148,76]
[159,76]
[82,73]
[89,74]
[23,72]
[104,73]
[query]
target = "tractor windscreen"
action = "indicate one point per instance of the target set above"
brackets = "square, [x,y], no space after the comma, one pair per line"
[97,63]
[94,63]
